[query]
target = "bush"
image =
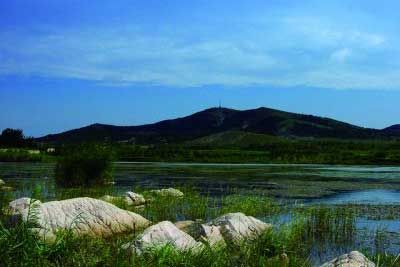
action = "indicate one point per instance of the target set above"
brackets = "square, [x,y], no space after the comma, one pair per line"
[19,155]
[84,165]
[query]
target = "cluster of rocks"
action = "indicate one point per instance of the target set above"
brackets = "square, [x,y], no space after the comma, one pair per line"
[138,200]
[99,218]
[4,187]
[231,228]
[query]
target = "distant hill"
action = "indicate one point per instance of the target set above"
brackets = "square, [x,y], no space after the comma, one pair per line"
[212,121]
[394,129]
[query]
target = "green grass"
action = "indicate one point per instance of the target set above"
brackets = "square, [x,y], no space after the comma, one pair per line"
[22,155]
[21,247]
[244,147]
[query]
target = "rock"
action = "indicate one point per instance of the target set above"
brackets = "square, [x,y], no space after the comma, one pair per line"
[6,188]
[352,259]
[134,199]
[2,182]
[212,235]
[162,234]
[20,204]
[236,227]
[84,216]
[168,192]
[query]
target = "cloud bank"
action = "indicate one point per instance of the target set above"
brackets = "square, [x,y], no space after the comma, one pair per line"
[292,47]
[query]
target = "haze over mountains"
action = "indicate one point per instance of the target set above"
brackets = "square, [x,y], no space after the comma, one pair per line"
[220,120]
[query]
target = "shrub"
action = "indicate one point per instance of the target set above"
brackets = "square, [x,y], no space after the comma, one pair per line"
[84,165]
[19,155]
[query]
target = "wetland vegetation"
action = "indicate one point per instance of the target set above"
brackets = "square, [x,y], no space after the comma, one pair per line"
[308,232]
[305,238]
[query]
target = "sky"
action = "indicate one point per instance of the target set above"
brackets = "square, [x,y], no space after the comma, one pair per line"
[67,64]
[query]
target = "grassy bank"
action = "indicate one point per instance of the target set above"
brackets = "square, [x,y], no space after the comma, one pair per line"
[269,150]
[24,155]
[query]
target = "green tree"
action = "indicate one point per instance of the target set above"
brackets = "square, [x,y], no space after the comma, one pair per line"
[12,137]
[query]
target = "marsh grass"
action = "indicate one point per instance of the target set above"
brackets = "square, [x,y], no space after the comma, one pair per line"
[253,205]
[326,225]
[196,206]
[21,247]
[309,228]
[385,259]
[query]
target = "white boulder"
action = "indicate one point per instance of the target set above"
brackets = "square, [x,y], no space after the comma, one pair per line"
[20,204]
[236,227]
[212,235]
[134,199]
[163,234]
[168,192]
[352,259]
[83,216]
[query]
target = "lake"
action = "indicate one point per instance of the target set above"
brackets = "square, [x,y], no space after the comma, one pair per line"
[375,187]
[319,183]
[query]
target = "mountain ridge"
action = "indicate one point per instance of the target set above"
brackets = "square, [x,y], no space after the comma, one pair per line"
[216,120]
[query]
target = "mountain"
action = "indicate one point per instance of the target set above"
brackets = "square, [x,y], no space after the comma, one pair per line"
[218,120]
[394,129]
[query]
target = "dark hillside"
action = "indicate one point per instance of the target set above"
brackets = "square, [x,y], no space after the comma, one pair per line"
[218,120]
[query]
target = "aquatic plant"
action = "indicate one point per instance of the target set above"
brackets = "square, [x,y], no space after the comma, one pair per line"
[324,225]
[84,165]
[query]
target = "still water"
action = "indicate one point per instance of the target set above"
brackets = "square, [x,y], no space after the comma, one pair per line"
[316,183]
[308,184]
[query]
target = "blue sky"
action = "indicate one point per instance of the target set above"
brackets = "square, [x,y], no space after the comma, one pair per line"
[65,64]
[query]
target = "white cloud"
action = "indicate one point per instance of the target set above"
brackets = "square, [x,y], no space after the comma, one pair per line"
[340,55]
[282,52]
[323,32]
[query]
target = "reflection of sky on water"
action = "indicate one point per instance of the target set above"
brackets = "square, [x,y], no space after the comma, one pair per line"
[379,196]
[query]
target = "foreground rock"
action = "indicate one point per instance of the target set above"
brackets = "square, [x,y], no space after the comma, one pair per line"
[2,182]
[84,216]
[17,206]
[163,234]
[212,235]
[352,259]
[134,199]
[236,227]
[168,192]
